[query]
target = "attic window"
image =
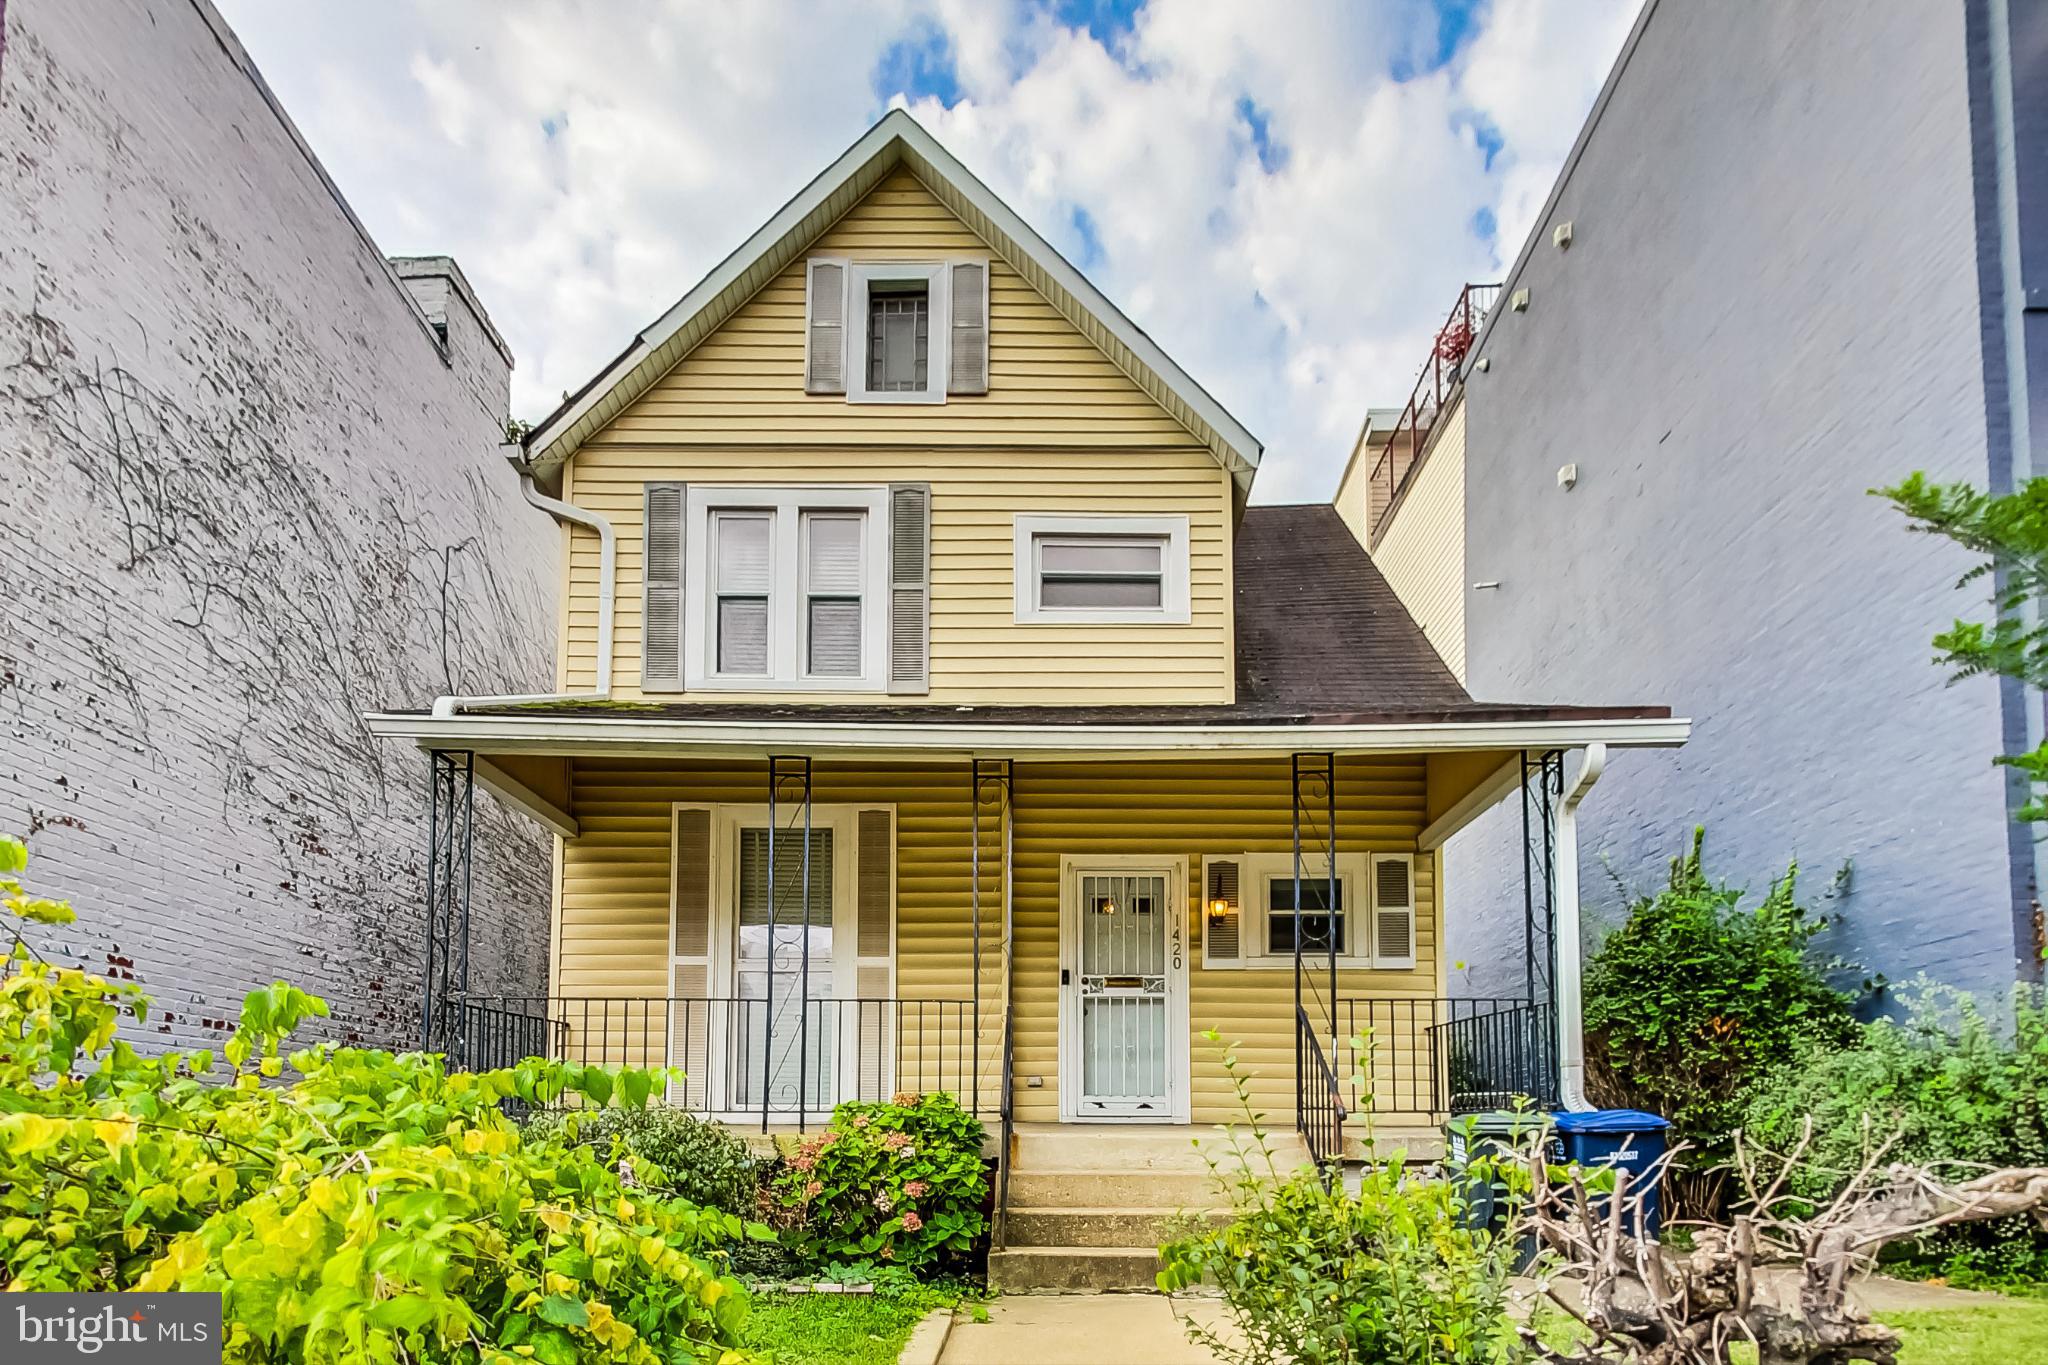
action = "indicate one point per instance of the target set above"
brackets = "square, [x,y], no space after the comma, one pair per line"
[896,331]
[899,336]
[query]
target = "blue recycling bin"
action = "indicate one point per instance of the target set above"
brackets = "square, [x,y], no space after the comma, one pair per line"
[1628,1138]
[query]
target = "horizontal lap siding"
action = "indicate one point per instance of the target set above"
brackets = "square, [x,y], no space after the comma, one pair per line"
[1060,430]
[1423,552]
[615,888]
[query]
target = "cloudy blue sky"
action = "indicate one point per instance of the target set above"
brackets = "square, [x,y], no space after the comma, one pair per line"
[1286,194]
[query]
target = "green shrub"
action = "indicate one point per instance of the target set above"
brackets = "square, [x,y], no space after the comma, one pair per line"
[1952,1083]
[351,1207]
[901,1182]
[1694,1000]
[675,1151]
[1311,1272]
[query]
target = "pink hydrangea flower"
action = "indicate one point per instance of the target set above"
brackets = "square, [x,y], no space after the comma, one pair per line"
[814,1189]
[893,1141]
[860,1120]
[911,1222]
[915,1189]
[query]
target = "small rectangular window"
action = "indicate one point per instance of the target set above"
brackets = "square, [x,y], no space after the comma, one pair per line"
[1311,920]
[1084,568]
[742,588]
[1101,571]
[899,336]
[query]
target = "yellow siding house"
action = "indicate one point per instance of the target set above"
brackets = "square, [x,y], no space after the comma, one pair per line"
[934,713]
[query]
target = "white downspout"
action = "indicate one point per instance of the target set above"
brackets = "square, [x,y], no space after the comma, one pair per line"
[1571,1012]
[607,583]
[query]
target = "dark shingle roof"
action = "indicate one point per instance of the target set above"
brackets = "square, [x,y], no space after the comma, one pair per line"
[1321,639]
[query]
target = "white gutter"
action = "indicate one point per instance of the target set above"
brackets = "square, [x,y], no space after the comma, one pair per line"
[607,589]
[1571,1011]
[629,735]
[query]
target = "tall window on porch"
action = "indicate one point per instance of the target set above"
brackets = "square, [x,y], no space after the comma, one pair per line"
[1311,922]
[783,1032]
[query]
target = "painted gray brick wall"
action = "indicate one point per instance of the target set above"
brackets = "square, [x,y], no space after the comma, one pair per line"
[1770,305]
[244,496]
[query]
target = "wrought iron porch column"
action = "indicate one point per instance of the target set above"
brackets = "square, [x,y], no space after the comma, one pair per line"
[451,832]
[990,783]
[1313,776]
[789,777]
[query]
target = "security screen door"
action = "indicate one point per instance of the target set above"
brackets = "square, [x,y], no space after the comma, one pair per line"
[1122,986]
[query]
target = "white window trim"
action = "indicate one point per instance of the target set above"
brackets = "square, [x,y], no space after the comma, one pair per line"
[1255,871]
[937,276]
[785,593]
[1173,608]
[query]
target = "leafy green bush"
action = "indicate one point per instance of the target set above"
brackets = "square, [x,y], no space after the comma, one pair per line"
[901,1182]
[1311,1272]
[1694,1000]
[352,1207]
[1952,1083]
[675,1151]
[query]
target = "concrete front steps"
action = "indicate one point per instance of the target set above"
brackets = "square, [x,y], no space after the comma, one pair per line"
[1090,1203]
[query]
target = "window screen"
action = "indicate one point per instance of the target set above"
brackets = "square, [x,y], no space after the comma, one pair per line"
[1101,571]
[1313,921]
[899,340]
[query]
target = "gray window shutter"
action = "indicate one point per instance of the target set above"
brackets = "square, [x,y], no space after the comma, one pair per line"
[967,349]
[661,606]
[1221,936]
[1393,910]
[910,587]
[825,328]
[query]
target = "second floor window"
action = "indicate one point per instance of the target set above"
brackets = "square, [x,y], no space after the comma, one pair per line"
[899,336]
[790,589]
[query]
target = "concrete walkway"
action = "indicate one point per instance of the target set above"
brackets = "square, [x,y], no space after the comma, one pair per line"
[1081,1329]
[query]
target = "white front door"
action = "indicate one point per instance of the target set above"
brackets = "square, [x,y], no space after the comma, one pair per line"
[1123,999]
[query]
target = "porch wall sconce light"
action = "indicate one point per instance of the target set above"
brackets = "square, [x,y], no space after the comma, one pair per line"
[1218,909]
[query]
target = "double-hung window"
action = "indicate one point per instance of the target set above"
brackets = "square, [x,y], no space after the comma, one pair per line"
[1102,569]
[790,589]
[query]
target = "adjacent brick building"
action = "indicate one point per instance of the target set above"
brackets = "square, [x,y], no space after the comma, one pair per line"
[250,486]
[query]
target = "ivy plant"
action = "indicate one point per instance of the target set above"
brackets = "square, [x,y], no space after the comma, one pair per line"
[350,1205]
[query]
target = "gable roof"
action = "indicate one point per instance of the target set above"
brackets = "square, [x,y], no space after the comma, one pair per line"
[896,141]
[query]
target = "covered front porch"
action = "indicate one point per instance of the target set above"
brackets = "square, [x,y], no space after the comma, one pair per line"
[1049,932]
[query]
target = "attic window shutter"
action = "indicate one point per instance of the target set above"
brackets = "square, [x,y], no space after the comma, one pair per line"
[1221,937]
[661,607]
[825,328]
[967,350]
[1393,910]
[910,588]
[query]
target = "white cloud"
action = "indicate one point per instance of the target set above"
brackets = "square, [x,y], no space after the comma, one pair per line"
[587,163]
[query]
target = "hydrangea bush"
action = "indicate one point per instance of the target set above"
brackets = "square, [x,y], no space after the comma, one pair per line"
[900,1183]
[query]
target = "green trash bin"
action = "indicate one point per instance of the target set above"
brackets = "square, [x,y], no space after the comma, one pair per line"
[1499,1132]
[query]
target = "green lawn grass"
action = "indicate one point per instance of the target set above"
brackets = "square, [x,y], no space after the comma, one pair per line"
[827,1329]
[1994,1334]
[2013,1332]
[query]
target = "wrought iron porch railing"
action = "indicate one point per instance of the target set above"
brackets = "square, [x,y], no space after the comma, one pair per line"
[740,1056]
[1440,377]
[1403,1070]
[1499,1059]
[1318,1097]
